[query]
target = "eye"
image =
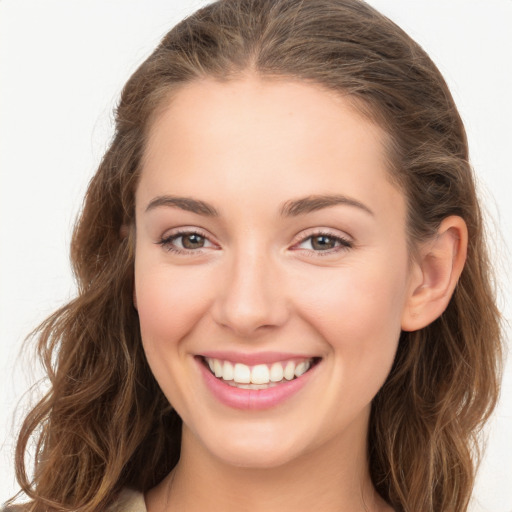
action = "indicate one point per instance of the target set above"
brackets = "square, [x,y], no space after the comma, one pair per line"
[192,241]
[185,242]
[324,243]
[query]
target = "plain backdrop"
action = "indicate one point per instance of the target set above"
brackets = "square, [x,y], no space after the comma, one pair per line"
[62,66]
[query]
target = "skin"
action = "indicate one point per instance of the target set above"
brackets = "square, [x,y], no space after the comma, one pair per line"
[260,283]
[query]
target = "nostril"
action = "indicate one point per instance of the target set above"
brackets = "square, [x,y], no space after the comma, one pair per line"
[249,305]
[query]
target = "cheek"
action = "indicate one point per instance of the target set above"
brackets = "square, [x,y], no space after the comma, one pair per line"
[168,303]
[358,310]
[358,315]
[169,307]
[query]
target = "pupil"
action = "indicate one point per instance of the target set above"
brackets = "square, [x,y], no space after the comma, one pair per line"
[193,241]
[322,242]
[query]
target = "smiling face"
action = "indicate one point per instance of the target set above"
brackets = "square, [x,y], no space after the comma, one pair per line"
[271,251]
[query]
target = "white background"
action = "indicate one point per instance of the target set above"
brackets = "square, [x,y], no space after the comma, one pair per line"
[62,66]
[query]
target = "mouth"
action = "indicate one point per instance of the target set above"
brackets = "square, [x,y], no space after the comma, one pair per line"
[259,376]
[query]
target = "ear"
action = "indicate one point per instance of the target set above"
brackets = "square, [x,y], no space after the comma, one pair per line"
[436,271]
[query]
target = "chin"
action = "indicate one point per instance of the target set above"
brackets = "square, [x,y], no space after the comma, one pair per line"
[256,457]
[252,449]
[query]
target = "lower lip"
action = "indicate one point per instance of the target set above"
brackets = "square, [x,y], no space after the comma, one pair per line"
[252,399]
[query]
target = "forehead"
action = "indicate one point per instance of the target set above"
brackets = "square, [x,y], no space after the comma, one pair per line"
[230,109]
[279,139]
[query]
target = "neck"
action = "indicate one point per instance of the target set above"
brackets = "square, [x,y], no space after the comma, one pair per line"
[331,478]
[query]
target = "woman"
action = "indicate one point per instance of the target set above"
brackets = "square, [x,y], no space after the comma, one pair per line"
[282,242]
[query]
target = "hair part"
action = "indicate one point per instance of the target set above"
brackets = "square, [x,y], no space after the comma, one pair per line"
[105,424]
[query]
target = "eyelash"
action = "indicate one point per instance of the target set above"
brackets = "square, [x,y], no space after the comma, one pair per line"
[167,242]
[343,243]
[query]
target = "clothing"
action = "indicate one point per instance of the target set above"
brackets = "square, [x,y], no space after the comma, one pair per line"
[129,501]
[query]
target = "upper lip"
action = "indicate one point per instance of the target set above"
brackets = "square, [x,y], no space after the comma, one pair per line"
[254,358]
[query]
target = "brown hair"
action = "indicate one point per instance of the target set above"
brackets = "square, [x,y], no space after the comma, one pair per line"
[105,424]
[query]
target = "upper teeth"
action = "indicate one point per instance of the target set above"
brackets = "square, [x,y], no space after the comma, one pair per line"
[259,374]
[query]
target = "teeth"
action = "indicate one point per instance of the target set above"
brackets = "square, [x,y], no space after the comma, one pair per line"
[276,372]
[242,374]
[289,371]
[228,372]
[217,368]
[302,368]
[259,376]
[252,386]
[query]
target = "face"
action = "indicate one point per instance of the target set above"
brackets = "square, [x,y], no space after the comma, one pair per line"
[271,271]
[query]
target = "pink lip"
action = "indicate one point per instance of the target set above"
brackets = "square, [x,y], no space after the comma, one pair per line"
[252,399]
[255,358]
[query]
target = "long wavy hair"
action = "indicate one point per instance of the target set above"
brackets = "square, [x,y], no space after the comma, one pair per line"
[105,424]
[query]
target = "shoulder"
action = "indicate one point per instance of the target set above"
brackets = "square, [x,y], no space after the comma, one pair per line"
[19,507]
[128,501]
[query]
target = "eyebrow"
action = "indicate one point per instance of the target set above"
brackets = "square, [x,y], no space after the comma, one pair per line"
[318,202]
[290,208]
[185,203]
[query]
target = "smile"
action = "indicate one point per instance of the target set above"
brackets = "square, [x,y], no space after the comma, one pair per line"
[255,381]
[260,376]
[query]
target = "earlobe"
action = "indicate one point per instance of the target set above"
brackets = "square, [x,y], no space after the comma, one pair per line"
[435,274]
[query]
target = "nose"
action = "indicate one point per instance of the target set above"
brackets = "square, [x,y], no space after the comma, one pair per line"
[251,296]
